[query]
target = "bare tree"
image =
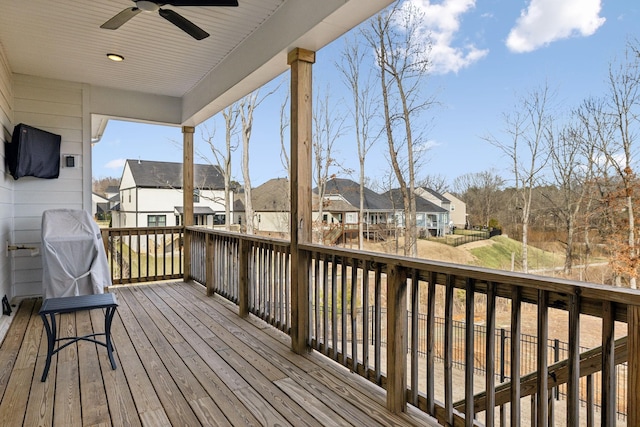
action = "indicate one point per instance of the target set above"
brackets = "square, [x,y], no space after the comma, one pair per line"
[527,150]
[328,126]
[435,182]
[284,124]
[623,103]
[597,130]
[481,193]
[570,157]
[363,111]
[402,60]
[246,107]
[222,157]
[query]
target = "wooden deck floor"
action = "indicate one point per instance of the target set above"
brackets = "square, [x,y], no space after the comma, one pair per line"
[184,359]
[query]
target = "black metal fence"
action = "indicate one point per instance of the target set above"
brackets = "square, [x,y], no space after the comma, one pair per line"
[460,237]
[558,350]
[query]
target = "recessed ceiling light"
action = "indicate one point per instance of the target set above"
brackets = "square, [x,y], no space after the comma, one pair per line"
[115,57]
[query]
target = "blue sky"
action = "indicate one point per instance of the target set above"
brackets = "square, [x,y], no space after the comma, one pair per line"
[486,55]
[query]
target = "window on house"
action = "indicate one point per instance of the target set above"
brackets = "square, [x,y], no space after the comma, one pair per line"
[156,220]
[453,208]
[129,196]
[196,196]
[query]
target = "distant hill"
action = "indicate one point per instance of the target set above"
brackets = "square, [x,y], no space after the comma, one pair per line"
[492,253]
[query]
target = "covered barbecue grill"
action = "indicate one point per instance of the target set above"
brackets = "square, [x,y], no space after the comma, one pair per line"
[74,261]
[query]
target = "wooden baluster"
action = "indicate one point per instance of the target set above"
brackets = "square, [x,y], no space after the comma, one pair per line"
[448,350]
[365,316]
[542,411]
[354,317]
[490,378]
[415,335]
[573,382]
[343,310]
[243,273]
[590,401]
[431,355]
[378,325]
[334,307]
[608,408]
[325,309]
[209,259]
[469,350]
[516,322]
[316,298]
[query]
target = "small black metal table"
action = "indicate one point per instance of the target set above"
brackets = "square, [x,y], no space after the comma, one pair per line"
[53,306]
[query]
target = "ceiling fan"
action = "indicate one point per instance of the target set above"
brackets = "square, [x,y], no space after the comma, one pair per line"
[170,15]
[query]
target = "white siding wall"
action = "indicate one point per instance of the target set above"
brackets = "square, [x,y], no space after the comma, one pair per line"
[162,201]
[6,181]
[272,221]
[56,107]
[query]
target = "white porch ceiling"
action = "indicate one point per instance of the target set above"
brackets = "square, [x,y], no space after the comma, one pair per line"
[62,39]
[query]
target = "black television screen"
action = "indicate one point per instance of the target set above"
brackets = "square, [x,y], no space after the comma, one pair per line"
[33,152]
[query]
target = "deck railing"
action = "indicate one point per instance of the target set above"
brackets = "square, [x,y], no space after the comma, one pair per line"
[144,254]
[252,272]
[410,289]
[392,296]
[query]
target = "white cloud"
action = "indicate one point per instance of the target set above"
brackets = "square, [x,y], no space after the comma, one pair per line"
[115,164]
[442,25]
[546,21]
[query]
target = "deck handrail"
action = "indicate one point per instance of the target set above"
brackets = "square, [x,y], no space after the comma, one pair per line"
[134,255]
[259,277]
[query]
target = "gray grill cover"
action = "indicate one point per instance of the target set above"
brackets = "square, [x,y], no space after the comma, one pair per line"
[73,258]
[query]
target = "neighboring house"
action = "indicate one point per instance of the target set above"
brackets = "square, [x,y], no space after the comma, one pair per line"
[434,197]
[99,204]
[113,194]
[457,211]
[342,203]
[430,218]
[151,195]
[112,190]
[271,203]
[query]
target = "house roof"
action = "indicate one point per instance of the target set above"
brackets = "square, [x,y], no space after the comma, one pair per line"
[151,174]
[98,198]
[168,76]
[112,189]
[422,204]
[197,210]
[350,191]
[436,194]
[272,196]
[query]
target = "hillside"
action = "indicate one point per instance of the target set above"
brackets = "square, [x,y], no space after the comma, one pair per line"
[493,253]
[428,249]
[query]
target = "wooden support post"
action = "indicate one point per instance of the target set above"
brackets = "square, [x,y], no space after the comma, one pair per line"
[397,339]
[243,276]
[187,194]
[633,366]
[301,61]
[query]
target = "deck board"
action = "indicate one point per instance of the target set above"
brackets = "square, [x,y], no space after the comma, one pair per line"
[182,359]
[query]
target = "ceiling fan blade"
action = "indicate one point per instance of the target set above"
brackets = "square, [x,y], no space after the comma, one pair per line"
[184,24]
[121,18]
[228,3]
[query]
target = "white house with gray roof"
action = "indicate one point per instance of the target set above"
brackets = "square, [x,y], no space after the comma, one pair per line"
[151,195]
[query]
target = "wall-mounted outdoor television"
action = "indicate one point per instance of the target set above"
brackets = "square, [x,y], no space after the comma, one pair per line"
[33,152]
